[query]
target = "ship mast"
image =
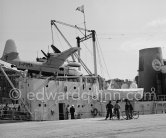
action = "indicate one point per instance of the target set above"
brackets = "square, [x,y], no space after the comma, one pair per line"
[91,35]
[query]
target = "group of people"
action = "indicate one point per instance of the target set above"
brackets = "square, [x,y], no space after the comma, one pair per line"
[71,111]
[116,110]
[111,110]
[110,107]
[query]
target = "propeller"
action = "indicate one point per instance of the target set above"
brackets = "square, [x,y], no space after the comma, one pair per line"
[46,55]
[55,49]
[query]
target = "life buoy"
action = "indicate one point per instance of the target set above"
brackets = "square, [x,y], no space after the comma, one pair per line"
[95,112]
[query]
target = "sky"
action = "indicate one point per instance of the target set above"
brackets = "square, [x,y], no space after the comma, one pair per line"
[123,27]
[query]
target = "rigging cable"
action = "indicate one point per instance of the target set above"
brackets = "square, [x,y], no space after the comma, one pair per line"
[60,41]
[99,61]
[52,33]
[88,49]
[119,35]
[102,56]
[76,55]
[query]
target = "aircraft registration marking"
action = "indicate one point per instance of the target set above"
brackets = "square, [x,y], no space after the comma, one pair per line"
[25,64]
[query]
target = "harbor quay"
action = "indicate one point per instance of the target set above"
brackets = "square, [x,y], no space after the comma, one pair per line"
[149,126]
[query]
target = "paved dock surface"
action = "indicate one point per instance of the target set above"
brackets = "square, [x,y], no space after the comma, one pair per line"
[152,126]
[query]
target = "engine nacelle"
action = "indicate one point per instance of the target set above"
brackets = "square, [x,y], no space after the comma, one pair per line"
[73,64]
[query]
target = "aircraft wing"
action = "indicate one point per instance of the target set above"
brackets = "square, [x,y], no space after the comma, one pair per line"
[8,66]
[57,60]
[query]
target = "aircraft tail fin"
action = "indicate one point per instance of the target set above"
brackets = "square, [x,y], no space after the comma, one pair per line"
[10,51]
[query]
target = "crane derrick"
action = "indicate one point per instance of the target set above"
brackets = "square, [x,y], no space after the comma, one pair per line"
[91,35]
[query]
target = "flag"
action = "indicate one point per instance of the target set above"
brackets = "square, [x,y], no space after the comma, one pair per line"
[81,9]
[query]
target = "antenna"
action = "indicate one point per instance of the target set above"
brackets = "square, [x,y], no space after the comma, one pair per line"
[48,48]
[52,34]
[37,56]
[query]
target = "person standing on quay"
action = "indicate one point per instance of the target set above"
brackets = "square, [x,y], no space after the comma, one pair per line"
[109,108]
[72,111]
[67,112]
[116,109]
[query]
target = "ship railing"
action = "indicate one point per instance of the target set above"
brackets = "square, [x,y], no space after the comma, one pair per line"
[14,115]
[161,97]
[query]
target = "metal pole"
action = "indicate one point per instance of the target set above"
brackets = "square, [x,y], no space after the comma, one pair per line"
[94,52]
[84,23]
[79,54]
[52,34]
[73,26]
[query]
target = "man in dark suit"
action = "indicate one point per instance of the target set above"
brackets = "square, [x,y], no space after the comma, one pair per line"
[109,107]
[72,111]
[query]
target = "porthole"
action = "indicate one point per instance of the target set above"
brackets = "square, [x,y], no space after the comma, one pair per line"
[83,87]
[65,88]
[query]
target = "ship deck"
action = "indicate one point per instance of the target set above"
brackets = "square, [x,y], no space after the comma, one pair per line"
[145,126]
